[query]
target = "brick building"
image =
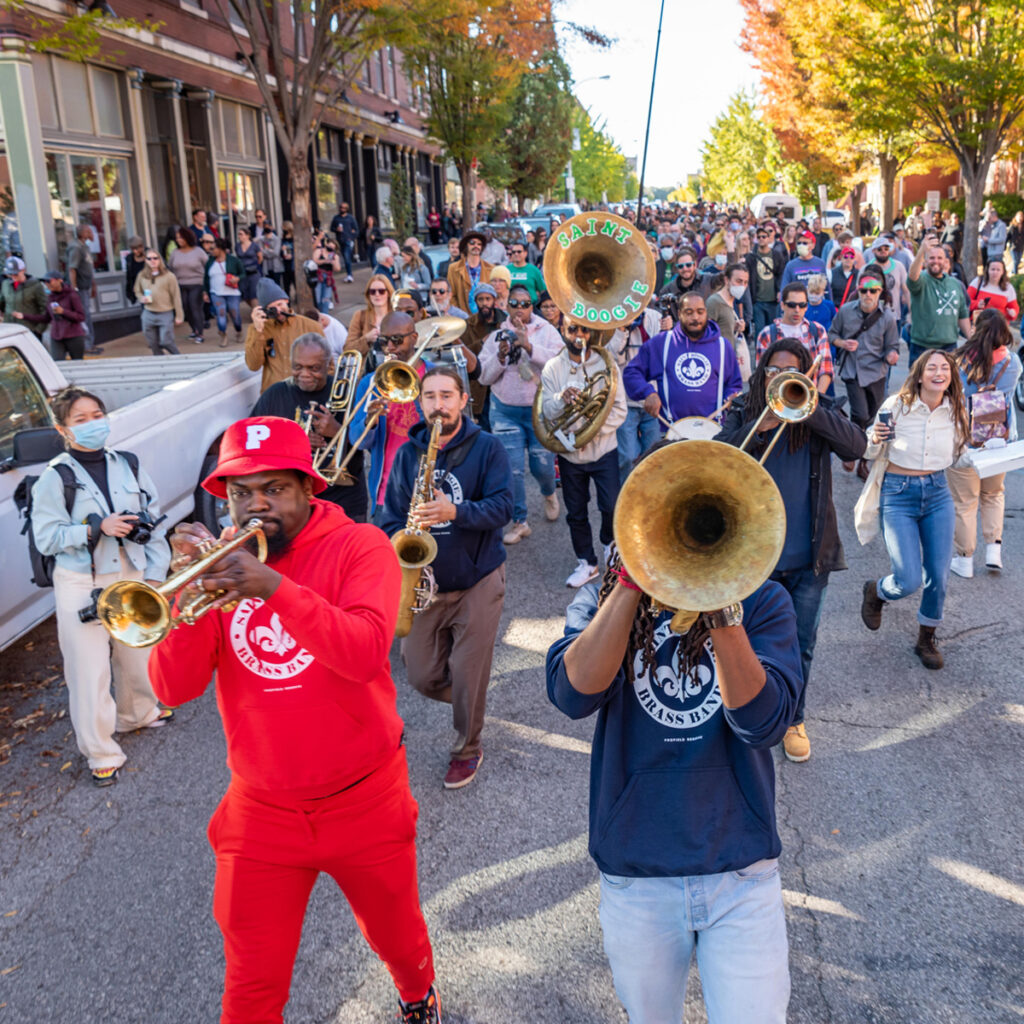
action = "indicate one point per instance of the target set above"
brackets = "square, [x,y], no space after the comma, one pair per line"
[172,121]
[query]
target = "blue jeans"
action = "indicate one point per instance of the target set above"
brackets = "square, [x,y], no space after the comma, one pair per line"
[915,351]
[764,314]
[224,304]
[513,427]
[737,924]
[322,293]
[346,254]
[918,517]
[635,435]
[808,593]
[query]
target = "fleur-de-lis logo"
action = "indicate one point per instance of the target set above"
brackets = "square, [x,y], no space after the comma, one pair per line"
[273,639]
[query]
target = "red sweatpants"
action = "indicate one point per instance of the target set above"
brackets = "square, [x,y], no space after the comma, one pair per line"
[268,859]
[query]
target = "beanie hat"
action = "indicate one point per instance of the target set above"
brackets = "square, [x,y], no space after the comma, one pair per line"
[268,291]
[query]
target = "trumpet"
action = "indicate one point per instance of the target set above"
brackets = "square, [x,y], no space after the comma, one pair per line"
[139,615]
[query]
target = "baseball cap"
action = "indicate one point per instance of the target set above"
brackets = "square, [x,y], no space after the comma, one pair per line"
[260,444]
[50,275]
[848,251]
[12,266]
[808,236]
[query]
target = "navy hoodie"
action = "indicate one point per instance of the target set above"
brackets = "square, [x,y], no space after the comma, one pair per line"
[473,471]
[686,381]
[680,785]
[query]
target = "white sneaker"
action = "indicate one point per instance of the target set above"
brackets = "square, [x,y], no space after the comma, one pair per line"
[348,279]
[516,532]
[583,573]
[551,507]
[994,555]
[962,565]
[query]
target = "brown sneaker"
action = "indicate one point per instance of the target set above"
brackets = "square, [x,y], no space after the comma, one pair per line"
[796,744]
[551,507]
[926,648]
[871,606]
[516,532]
[462,771]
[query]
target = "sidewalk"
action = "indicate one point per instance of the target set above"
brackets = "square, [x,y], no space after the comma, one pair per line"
[350,299]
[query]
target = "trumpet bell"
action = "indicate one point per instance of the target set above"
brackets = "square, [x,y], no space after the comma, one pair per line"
[699,525]
[134,613]
[599,269]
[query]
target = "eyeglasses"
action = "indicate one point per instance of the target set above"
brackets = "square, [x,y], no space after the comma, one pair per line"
[869,291]
[394,339]
[795,305]
[519,303]
[376,291]
[770,371]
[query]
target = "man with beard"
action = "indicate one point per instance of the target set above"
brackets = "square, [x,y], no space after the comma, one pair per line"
[447,653]
[307,393]
[485,320]
[470,270]
[562,383]
[688,371]
[687,278]
[319,780]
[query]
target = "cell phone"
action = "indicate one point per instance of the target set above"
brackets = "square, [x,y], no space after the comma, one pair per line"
[885,418]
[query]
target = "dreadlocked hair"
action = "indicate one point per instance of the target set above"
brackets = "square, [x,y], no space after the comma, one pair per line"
[641,635]
[753,406]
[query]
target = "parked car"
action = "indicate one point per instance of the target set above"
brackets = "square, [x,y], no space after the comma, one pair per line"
[830,218]
[170,412]
[533,222]
[505,231]
[563,211]
[776,204]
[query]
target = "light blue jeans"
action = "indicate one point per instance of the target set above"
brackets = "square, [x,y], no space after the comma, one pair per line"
[512,425]
[222,306]
[736,923]
[918,517]
[635,434]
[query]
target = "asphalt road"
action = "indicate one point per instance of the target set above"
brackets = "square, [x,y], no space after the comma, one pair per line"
[902,862]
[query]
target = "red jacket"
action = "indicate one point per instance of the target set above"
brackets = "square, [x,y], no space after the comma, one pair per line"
[303,680]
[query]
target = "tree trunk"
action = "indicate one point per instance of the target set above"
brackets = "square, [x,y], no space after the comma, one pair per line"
[974,195]
[302,219]
[521,201]
[467,196]
[855,209]
[887,167]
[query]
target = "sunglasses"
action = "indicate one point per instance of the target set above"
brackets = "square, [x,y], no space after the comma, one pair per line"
[438,291]
[517,304]
[395,339]
[575,329]
[795,305]
[869,291]
[153,259]
[376,291]
[684,266]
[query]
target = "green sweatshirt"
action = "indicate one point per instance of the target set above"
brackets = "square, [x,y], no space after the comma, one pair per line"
[937,305]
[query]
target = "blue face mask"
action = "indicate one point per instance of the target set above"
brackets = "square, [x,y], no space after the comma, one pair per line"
[92,434]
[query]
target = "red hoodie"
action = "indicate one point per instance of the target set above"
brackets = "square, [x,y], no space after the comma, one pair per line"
[303,680]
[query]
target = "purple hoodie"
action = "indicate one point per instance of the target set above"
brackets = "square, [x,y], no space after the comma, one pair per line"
[692,377]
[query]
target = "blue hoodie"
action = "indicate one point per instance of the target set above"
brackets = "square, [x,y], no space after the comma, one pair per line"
[473,471]
[680,785]
[690,372]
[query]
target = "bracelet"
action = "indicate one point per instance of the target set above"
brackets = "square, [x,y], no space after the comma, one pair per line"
[623,578]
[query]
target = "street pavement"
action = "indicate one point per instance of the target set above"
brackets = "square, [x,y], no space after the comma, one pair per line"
[902,866]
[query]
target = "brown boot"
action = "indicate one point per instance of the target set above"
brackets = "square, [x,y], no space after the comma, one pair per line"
[871,606]
[926,649]
[222,339]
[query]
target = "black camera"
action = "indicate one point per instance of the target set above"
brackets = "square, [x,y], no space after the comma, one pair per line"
[507,335]
[666,306]
[277,315]
[90,613]
[143,527]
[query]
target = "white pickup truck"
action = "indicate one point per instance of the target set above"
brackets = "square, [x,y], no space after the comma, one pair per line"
[170,411]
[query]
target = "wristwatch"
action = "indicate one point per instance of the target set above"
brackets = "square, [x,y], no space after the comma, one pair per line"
[730,615]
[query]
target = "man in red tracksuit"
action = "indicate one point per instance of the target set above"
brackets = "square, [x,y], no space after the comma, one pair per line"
[319,780]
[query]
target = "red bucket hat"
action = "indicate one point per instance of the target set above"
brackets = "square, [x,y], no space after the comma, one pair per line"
[259,444]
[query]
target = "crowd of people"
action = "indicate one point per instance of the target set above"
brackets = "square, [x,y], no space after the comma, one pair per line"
[303,653]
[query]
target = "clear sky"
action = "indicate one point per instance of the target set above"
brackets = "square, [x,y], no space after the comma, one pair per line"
[699,68]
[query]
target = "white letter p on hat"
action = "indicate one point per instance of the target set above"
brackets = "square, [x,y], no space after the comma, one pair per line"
[255,435]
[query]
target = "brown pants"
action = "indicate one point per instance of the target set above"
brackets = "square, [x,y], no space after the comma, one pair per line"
[970,491]
[448,653]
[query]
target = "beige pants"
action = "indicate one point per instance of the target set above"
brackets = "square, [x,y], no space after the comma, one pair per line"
[448,653]
[970,491]
[91,660]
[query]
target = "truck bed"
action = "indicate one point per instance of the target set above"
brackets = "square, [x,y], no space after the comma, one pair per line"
[120,382]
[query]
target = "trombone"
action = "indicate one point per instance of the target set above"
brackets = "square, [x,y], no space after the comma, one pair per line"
[139,615]
[327,460]
[790,397]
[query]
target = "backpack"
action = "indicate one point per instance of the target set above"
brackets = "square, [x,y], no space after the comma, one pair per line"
[42,565]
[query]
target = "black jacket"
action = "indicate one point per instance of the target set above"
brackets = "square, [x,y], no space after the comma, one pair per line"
[830,432]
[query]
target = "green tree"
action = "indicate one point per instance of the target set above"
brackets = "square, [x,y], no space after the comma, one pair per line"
[400,203]
[598,166]
[81,35]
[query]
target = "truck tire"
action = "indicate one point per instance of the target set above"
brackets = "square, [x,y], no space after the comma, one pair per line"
[211,511]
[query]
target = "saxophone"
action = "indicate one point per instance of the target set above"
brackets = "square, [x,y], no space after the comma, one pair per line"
[415,548]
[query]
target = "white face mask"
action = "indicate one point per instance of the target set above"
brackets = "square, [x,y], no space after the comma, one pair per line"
[803,249]
[815,300]
[737,291]
[721,259]
[666,252]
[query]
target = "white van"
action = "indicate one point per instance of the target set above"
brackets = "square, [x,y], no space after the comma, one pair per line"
[776,204]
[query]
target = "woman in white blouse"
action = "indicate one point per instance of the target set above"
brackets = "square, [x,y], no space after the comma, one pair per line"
[929,433]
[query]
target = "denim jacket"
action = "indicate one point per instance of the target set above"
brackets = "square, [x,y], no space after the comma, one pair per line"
[67,537]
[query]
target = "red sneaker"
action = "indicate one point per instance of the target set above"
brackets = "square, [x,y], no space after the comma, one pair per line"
[462,771]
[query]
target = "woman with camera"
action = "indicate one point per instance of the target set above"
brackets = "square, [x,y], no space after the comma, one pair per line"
[95,510]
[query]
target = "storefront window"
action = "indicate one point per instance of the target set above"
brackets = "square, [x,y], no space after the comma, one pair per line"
[106,93]
[73,90]
[328,196]
[94,191]
[240,196]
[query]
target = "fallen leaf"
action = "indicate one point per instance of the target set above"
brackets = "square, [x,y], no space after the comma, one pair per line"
[10,913]
[48,753]
[88,829]
[9,970]
[835,831]
[65,766]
